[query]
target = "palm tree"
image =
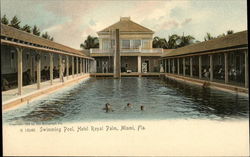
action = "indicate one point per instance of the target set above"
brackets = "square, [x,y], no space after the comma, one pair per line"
[15,22]
[208,37]
[4,20]
[186,40]
[173,41]
[26,28]
[90,42]
[159,42]
[36,31]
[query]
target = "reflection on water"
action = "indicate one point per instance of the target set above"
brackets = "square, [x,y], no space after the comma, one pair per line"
[162,99]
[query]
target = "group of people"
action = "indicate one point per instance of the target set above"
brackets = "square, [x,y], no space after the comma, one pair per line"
[108,107]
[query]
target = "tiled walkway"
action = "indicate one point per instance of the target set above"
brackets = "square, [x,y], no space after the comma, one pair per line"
[13,93]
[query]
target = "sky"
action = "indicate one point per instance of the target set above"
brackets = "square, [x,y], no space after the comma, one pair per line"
[71,21]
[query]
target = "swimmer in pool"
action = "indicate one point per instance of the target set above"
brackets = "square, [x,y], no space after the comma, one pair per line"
[108,107]
[142,108]
[128,106]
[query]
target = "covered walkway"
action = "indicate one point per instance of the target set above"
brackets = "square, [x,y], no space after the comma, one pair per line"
[222,62]
[29,60]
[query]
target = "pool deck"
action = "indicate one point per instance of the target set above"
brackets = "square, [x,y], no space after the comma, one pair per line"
[209,84]
[11,98]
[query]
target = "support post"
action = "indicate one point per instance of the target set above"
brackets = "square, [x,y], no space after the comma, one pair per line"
[30,65]
[184,66]
[139,64]
[246,69]
[178,66]
[211,68]
[38,69]
[200,67]
[90,66]
[20,70]
[81,66]
[77,66]
[226,67]
[73,65]
[67,67]
[84,71]
[51,68]
[117,57]
[165,65]
[87,66]
[169,65]
[60,68]
[191,66]
[172,67]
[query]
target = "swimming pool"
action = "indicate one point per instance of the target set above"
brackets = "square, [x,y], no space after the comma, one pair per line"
[161,98]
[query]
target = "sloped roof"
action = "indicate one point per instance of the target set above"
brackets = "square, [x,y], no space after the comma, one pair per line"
[14,33]
[239,39]
[126,25]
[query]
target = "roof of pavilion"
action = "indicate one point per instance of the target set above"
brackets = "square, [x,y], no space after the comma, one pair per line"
[22,36]
[126,25]
[231,41]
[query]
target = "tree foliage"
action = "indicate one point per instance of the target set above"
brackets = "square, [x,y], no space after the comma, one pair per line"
[47,36]
[36,31]
[174,41]
[4,20]
[15,22]
[209,37]
[26,28]
[90,42]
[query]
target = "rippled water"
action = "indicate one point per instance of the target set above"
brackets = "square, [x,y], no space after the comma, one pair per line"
[162,99]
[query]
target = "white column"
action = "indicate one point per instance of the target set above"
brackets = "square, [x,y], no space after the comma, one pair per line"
[178,66]
[211,68]
[51,68]
[191,66]
[173,66]
[246,69]
[83,65]
[90,65]
[60,68]
[184,66]
[200,67]
[20,70]
[67,67]
[30,66]
[226,67]
[32,69]
[139,64]
[38,70]
[80,66]
[169,64]
[77,66]
[73,65]
[165,64]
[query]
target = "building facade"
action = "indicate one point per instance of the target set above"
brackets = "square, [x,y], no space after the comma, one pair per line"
[137,54]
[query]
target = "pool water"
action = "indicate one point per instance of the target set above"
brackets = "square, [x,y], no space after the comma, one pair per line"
[161,98]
